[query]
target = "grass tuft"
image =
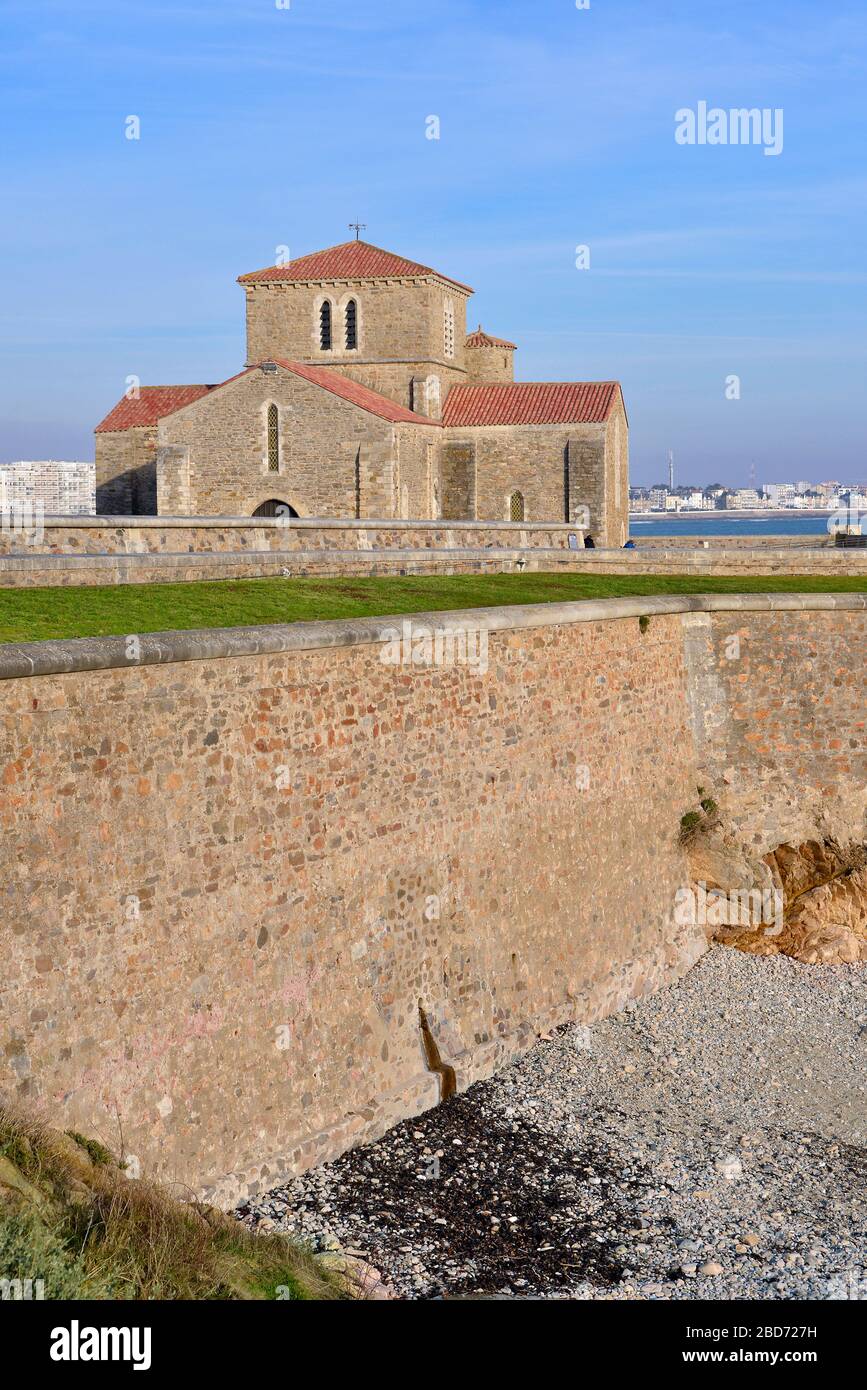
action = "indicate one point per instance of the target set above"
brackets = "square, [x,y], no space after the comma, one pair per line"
[96,1152]
[69,1216]
[689,825]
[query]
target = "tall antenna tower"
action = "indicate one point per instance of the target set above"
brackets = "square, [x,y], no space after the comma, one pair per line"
[671,470]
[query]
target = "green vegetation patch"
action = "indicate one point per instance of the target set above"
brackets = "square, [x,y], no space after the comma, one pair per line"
[32,615]
[71,1218]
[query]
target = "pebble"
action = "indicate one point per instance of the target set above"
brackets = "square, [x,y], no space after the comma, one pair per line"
[729,1167]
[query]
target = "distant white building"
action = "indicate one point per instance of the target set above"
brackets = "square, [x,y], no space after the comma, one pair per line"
[57,487]
[780,494]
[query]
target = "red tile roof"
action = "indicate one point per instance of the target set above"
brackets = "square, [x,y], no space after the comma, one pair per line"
[355,393]
[531,403]
[152,404]
[353,260]
[480,339]
[157,401]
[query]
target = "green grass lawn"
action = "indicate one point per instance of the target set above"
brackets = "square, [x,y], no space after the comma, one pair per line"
[31,615]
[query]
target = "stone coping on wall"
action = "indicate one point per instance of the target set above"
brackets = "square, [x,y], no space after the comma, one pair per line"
[300,523]
[19,659]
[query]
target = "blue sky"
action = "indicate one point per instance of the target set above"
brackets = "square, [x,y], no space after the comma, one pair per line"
[263,126]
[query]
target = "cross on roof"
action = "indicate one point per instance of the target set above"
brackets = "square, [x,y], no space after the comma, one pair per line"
[358,228]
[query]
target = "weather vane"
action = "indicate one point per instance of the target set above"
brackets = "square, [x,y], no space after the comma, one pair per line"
[358,228]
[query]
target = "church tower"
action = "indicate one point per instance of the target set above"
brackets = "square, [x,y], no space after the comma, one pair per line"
[392,324]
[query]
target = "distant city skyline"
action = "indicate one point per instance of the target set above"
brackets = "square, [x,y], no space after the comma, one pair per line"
[801,485]
[506,144]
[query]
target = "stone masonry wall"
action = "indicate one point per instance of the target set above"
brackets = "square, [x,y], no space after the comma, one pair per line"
[134,535]
[233,875]
[532,460]
[366,557]
[138,550]
[236,879]
[400,330]
[779,716]
[486,364]
[34,572]
[320,438]
[691,542]
[126,470]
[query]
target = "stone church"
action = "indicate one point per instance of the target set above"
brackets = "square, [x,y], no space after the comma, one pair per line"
[364,396]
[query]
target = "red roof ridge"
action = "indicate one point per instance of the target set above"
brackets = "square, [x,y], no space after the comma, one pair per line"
[354,392]
[348,260]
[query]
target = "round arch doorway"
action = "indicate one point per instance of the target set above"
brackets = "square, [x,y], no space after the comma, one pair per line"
[274,507]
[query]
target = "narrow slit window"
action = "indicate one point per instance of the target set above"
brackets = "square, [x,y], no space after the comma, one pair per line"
[516,506]
[351,325]
[325,326]
[273,439]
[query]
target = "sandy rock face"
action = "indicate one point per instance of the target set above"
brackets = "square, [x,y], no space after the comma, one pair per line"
[828,924]
[824,896]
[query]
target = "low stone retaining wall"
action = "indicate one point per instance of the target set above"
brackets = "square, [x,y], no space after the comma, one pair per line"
[764,561]
[135,535]
[239,861]
[817,542]
[50,570]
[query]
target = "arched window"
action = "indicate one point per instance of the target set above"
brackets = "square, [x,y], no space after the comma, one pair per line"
[449,328]
[351,325]
[516,506]
[325,326]
[273,439]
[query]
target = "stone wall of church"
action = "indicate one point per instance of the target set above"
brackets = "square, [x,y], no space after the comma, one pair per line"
[418,448]
[458,480]
[334,457]
[485,364]
[395,380]
[617,477]
[598,474]
[126,471]
[400,324]
[531,459]
[556,468]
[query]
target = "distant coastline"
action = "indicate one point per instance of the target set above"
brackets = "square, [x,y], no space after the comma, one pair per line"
[779,522]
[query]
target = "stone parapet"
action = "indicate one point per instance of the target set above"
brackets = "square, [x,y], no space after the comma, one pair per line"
[40,570]
[121,535]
